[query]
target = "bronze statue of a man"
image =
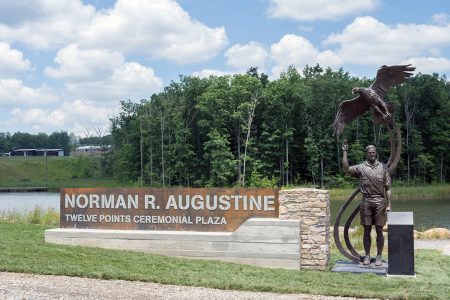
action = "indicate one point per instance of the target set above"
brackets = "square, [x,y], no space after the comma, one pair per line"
[375,187]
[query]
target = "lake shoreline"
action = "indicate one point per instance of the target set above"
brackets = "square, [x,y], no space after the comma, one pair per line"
[403,197]
[23,189]
[421,192]
[398,192]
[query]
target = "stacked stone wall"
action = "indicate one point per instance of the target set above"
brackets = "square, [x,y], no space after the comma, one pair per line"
[312,208]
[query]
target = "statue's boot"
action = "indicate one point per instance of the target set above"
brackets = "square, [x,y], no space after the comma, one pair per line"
[366,261]
[378,261]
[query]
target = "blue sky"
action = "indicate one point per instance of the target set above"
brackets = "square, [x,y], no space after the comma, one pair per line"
[64,65]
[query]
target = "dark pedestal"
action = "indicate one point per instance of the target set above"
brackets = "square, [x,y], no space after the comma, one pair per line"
[400,243]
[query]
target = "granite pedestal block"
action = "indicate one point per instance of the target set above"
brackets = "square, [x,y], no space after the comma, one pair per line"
[400,243]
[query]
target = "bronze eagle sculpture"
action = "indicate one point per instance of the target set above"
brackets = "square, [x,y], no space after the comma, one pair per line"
[387,76]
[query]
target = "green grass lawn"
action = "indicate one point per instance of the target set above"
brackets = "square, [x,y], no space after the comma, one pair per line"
[22,249]
[29,169]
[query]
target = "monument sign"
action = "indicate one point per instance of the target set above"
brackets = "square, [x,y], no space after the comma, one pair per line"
[180,209]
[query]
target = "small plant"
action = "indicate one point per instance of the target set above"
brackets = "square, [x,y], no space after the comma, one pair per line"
[13,216]
[50,217]
[34,216]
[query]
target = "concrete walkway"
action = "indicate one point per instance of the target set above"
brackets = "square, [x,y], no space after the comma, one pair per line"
[442,245]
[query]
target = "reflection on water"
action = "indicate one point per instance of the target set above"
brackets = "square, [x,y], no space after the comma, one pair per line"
[428,213]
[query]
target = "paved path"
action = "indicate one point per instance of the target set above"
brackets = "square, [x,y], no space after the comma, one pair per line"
[29,286]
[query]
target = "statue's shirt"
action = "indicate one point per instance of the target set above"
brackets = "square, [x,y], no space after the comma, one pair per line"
[373,178]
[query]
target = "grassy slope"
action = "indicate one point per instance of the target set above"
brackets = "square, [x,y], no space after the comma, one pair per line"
[23,250]
[61,172]
[16,169]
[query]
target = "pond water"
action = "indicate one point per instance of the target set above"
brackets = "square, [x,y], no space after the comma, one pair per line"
[428,213]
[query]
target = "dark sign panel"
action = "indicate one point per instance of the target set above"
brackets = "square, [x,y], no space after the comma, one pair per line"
[165,209]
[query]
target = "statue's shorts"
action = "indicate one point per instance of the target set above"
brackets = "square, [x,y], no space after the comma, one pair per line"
[373,212]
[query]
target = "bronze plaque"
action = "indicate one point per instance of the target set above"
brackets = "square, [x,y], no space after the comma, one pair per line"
[183,209]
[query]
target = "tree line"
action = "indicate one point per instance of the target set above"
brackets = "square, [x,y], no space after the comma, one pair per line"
[23,140]
[244,130]
[56,140]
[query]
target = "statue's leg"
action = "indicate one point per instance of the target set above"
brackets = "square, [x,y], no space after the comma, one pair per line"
[366,222]
[378,110]
[383,104]
[367,240]
[380,239]
[380,244]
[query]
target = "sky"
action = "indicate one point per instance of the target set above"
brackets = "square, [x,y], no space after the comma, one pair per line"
[66,64]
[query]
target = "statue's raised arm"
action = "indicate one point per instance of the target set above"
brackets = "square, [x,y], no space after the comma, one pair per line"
[345,164]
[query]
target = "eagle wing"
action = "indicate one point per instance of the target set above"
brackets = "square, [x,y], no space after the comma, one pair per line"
[347,111]
[388,76]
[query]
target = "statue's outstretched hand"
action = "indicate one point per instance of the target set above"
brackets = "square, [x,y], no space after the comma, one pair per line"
[345,146]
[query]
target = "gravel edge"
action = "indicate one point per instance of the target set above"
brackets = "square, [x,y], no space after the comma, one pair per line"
[32,286]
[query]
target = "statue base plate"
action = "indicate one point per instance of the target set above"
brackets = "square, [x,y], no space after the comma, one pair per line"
[358,268]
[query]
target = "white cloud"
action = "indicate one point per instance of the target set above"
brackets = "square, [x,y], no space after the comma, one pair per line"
[44,24]
[12,60]
[103,75]
[128,81]
[429,65]
[14,13]
[306,28]
[160,28]
[441,19]
[38,119]
[84,65]
[367,41]
[82,115]
[245,56]
[307,10]
[13,91]
[157,28]
[74,116]
[205,73]
[297,51]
